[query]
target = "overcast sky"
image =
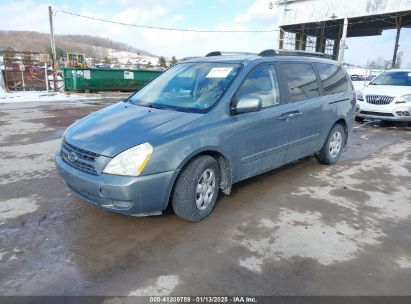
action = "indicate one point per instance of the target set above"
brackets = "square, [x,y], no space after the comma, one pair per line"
[193,14]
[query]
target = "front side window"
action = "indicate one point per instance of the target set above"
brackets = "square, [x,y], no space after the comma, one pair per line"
[301,81]
[187,87]
[397,78]
[261,83]
[333,78]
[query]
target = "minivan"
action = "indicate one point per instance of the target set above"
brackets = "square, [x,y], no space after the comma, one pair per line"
[204,125]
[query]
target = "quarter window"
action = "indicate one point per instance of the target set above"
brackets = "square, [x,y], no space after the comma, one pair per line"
[262,83]
[333,78]
[301,81]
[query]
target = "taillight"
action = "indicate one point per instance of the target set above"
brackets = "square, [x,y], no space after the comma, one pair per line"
[354,99]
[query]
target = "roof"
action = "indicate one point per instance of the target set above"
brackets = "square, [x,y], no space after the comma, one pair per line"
[245,59]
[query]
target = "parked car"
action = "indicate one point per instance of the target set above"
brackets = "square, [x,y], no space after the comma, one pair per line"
[387,97]
[355,77]
[204,125]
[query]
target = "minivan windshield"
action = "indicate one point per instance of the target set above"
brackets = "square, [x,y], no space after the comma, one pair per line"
[398,78]
[187,87]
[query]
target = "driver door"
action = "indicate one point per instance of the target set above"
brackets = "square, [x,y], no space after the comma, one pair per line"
[260,138]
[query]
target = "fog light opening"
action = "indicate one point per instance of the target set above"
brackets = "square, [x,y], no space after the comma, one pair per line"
[122,204]
[403,113]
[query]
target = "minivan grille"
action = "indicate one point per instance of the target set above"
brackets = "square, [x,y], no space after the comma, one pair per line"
[78,158]
[379,99]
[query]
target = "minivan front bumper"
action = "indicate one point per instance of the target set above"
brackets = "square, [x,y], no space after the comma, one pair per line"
[141,195]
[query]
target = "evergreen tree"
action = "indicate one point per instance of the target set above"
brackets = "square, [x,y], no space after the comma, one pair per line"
[162,62]
[173,61]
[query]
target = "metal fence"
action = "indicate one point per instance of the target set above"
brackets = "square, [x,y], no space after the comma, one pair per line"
[25,70]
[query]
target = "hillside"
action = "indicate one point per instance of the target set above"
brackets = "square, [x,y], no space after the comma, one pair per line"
[91,46]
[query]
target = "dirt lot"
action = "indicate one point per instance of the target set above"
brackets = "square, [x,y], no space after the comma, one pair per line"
[304,229]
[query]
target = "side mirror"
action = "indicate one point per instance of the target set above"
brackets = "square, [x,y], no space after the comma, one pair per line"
[248,104]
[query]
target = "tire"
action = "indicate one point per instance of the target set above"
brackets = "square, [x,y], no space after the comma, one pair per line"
[333,146]
[189,200]
[386,123]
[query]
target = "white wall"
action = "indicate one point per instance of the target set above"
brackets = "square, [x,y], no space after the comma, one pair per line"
[303,11]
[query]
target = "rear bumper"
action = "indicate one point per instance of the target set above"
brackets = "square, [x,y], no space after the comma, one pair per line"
[141,195]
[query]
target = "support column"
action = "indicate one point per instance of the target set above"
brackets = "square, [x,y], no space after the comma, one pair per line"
[342,44]
[398,21]
[281,39]
[336,46]
[301,44]
[320,44]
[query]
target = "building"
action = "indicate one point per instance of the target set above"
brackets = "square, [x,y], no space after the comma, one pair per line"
[323,25]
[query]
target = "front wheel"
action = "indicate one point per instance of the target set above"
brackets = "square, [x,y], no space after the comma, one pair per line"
[333,147]
[196,189]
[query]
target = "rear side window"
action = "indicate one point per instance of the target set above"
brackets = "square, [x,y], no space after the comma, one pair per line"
[333,78]
[301,81]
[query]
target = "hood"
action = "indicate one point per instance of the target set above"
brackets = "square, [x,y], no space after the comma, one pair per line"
[388,90]
[122,126]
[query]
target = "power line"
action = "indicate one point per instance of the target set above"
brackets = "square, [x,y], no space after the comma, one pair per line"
[219,31]
[166,28]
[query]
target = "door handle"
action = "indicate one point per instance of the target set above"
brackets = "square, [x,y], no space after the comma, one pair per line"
[290,115]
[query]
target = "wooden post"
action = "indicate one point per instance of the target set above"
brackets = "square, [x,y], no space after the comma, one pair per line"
[46,77]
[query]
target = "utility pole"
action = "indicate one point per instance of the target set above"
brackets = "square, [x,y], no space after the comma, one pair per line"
[53,48]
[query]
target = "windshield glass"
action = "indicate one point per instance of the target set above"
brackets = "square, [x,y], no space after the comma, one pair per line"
[188,87]
[393,78]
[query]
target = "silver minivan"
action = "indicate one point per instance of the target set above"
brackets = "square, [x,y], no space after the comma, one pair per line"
[204,125]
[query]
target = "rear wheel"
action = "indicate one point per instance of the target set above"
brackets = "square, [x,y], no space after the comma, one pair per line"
[333,147]
[196,189]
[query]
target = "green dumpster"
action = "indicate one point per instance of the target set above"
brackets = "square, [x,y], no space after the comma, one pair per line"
[92,80]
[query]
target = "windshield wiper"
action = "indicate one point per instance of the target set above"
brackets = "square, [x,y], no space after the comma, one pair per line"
[163,108]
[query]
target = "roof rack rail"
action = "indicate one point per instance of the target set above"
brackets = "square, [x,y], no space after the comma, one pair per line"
[271,52]
[219,53]
[267,53]
[304,53]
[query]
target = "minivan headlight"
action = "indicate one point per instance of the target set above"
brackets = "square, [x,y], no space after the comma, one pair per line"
[130,162]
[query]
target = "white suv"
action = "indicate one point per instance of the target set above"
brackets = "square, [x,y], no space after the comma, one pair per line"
[387,97]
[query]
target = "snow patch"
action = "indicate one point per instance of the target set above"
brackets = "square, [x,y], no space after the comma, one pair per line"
[163,286]
[252,263]
[404,262]
[34,160]
[39,96]
[15,207]
[303,234]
